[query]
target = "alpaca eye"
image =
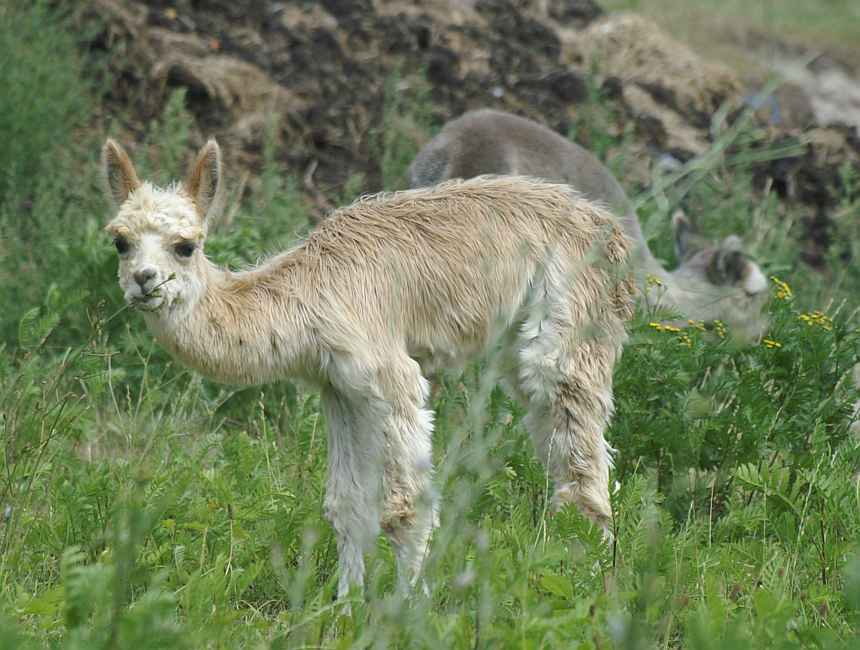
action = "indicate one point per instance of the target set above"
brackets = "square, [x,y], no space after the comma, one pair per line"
[184,249]
[121,244]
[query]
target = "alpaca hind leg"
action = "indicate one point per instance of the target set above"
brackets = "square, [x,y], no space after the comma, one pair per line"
[410,510]
[353,491]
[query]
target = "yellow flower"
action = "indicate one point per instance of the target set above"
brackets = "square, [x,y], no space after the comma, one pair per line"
[817,318]
[660,327]
[653,281]
[783,291]
[698,324]
[685,340]
[771,344]
[720,328]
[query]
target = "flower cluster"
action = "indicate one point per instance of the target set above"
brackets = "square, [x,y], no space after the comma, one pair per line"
[771,344]
[653,281]
[698,324]
[720,328]
[684,339]
[817,318]
[660,327]
[783,291]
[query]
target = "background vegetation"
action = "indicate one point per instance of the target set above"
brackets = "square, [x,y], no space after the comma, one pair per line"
[142,507]
[720,27]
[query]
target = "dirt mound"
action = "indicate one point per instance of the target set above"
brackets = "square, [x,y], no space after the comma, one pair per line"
[833,92]
[815,178]
[661,78]
[319,69]
[317,72]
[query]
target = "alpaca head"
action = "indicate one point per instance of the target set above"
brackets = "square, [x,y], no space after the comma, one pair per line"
[720,281]
[159,232]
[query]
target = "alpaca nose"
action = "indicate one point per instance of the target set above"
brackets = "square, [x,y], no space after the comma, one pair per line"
[143,276]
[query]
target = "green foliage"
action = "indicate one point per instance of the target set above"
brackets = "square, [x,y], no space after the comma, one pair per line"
[405,121]
[44,98]
[845,240]
[45,198]
[275,218]
[186,515]
[594,127]
[171,139]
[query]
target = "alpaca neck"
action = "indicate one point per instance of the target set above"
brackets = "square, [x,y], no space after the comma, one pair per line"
[679,292]
[649,273]
[660,288]
[241,329]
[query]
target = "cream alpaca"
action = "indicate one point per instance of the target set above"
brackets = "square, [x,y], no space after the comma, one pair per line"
[713,282]
[383,292]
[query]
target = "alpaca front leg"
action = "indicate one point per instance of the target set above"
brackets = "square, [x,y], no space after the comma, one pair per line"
[568,413]
[570,442]
[352,501]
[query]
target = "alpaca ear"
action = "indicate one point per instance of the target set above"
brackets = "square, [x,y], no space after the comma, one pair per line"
[686,239]
[203,182]
[727,266]
[118,171]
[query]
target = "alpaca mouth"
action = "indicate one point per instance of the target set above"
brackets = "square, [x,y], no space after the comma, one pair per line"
[147,302]
[151,300]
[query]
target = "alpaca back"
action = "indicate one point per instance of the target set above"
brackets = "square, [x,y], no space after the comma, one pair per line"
[447,266]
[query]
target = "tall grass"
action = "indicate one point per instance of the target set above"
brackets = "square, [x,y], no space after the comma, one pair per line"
[44,98]
[44,204]
[195,511]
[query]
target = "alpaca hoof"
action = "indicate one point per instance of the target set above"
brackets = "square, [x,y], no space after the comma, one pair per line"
[589,504]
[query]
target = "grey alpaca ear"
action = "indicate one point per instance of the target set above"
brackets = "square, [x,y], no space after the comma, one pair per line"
[119,173]
[203,182]
[728,266]
[686,239]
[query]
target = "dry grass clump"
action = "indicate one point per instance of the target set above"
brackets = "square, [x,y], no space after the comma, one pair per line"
[634,48]
[247,93]
[662,79]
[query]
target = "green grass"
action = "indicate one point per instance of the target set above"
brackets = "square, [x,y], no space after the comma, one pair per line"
[143,507]
[739,31]
[158,510]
